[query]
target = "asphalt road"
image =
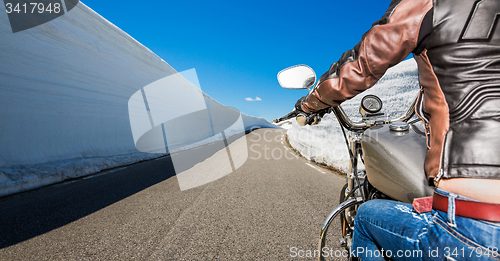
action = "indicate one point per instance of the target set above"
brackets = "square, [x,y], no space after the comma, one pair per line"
[271,208]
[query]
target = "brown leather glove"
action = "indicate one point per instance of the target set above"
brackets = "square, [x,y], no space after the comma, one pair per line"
[308,118]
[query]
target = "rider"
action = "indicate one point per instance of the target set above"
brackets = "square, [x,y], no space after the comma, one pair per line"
[456,44]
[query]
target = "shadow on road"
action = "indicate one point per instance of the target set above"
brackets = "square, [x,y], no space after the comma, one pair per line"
[30,214]
[27,215]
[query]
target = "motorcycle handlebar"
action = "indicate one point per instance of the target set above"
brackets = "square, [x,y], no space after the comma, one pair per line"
[286,117]
[304,119]
[354,126]
[345,120]
[301,117]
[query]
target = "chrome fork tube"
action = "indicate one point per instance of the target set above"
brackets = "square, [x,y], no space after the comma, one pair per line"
[353,163]
[342,207]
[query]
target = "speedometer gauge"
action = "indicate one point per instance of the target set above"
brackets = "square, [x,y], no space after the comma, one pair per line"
[371,103]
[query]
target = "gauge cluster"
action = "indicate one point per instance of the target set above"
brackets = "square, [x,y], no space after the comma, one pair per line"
[370,105]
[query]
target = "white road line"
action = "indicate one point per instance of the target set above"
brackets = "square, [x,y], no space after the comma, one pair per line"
[316,168]
[64,6]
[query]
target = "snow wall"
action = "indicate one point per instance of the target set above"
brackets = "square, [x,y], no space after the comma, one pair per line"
[65,87]
[325,144]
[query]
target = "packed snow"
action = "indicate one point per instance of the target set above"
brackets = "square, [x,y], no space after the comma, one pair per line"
[65,87]
[325,143]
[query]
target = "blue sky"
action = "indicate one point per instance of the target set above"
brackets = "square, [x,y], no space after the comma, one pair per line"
[238,47]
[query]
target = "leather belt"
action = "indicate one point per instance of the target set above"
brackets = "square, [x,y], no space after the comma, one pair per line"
[468,209]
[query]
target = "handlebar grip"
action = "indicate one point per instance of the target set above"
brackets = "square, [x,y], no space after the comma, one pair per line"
[301,119]
[312,119]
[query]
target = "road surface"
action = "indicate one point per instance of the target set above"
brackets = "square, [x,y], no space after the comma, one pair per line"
[271,208]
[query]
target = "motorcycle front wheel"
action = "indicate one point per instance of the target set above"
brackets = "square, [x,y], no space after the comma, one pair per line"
[336,212]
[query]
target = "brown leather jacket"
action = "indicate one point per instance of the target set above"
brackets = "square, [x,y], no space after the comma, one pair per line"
[456,44]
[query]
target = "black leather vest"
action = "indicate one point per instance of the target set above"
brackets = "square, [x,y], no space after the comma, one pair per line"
[464,50]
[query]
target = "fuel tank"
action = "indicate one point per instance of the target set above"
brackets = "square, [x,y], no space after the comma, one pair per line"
[394,162]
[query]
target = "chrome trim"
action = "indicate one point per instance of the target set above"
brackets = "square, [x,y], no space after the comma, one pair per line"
[346,122]
[342,207]
[399,126]
[291,67]
[409,113]
[357,126]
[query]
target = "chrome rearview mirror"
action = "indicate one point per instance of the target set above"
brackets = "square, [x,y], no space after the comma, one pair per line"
[297,77]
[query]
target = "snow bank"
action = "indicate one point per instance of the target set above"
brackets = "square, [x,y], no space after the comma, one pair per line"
[65,87]
[325,143]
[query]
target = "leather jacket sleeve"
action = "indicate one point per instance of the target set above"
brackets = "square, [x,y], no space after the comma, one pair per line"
[388,42]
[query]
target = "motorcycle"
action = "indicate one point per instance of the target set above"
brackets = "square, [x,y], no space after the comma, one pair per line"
[392,151]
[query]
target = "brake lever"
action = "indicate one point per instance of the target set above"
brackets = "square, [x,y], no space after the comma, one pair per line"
[286,117]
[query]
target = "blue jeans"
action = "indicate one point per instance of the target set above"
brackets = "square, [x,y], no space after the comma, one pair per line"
[385,228]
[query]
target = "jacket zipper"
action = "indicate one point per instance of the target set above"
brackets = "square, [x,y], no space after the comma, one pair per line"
[438,177]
